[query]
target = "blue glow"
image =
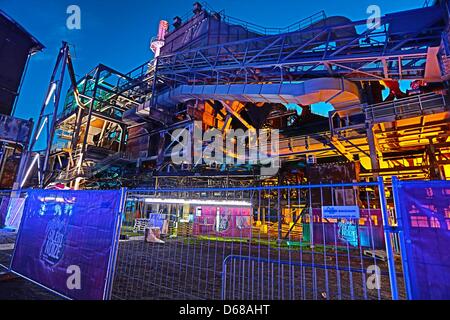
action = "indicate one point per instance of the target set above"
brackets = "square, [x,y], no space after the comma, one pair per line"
[348,232]
[322,108]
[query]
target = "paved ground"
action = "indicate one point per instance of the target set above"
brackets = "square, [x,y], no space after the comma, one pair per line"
[11,286]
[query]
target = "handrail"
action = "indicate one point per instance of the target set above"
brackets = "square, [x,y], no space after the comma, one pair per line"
[266,188]
[411,105]
[253,27]
[299,33]
[296,26]
[402,108]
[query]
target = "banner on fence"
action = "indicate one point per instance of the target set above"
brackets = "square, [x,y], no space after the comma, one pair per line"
[424,212]
[14,213]
[365,231]
[67,241]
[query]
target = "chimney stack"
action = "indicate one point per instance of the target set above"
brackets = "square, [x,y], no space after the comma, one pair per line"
[176,22]
[197,8]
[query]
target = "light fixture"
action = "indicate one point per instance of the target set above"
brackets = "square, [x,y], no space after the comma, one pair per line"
[36,157]
[41,128]
[229,203]
[50,94]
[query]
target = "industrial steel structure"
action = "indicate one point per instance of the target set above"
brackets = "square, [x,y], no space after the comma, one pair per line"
[17,46]
[195,217]
[116,128]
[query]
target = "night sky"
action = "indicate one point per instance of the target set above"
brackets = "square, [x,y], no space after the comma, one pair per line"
[117,33]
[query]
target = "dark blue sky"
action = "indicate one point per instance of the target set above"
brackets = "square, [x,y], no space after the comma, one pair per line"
[117,33]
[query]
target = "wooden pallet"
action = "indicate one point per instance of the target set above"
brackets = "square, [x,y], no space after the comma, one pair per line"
[184,229]
[140,225]
[377,254]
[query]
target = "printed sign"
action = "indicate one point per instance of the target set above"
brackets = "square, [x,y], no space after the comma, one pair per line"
[348,232]
[67,241]
[340,212]
[367,231]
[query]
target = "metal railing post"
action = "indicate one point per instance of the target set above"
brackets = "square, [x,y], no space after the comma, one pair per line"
[387,238]
[224,278]
[420,105]
[115,247]
[401,238]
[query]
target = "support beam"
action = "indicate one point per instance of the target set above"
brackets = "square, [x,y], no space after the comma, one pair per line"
[237,116]
[372,149]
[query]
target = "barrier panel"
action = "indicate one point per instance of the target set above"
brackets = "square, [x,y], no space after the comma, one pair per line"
[4,202]
[7,239]
[423,210]
[255,243]
[67,241]
[14,212]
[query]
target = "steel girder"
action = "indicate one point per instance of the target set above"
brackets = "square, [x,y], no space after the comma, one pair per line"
[369,54]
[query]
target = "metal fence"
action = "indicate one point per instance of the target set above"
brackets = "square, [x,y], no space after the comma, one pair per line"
[256,243]
[10,206]
[7,239]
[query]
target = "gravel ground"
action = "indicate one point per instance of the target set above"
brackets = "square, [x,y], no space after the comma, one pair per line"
[13,287]
[16,288]
[182,269]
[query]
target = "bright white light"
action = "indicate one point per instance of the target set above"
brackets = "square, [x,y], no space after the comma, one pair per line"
[80,162]
[39,169]
[50,94]
[200,202]
[42,127]
[36,157]
[56,199]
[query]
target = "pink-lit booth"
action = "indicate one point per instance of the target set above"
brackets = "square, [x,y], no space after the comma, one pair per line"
[229,222]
